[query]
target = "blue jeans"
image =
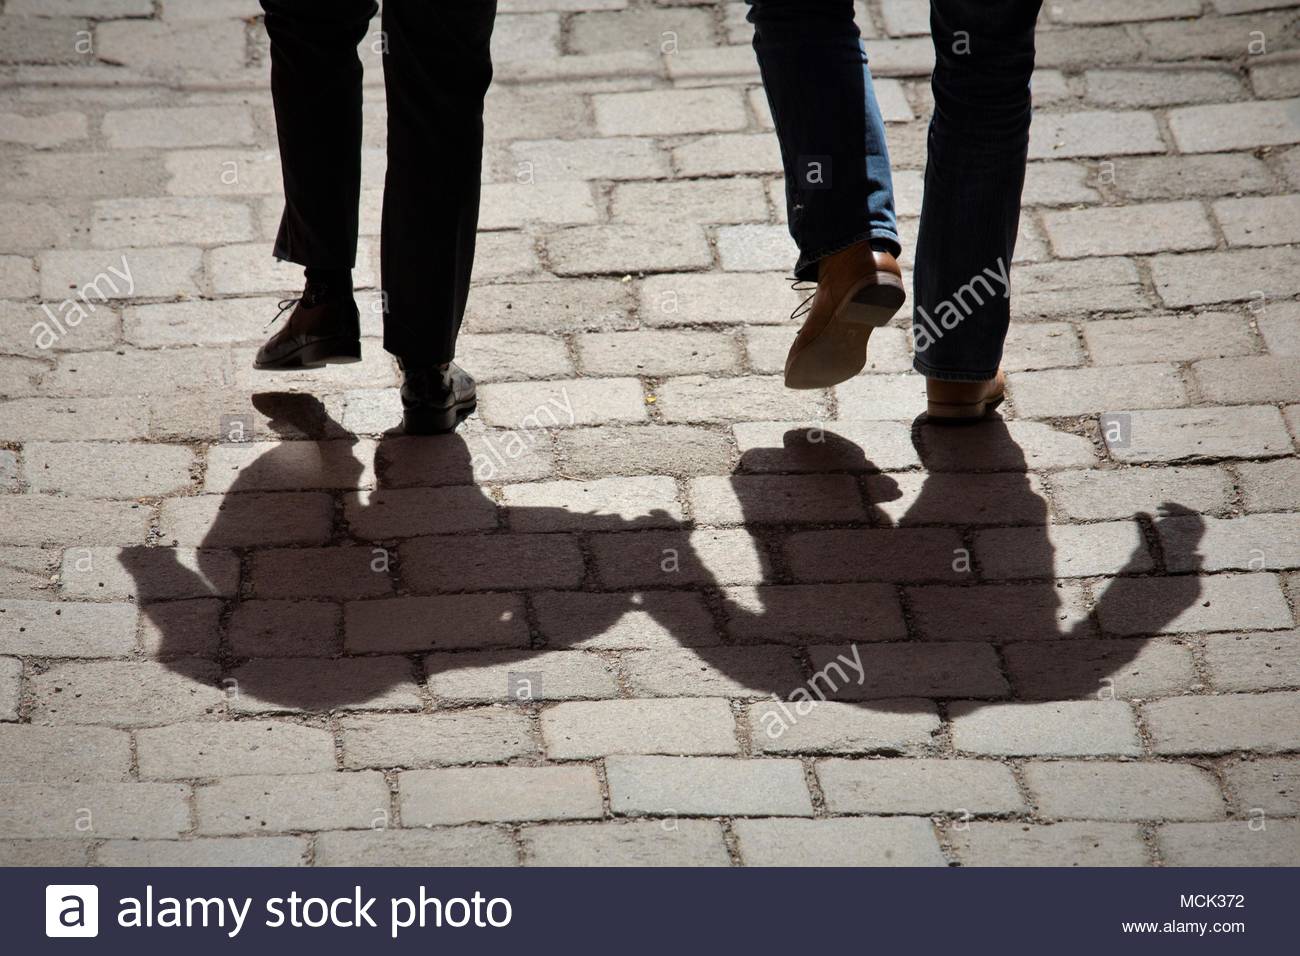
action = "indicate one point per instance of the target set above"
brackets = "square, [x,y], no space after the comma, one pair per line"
[819,88]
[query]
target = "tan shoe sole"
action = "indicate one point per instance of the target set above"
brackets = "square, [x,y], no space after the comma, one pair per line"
[963,413]
[839,351]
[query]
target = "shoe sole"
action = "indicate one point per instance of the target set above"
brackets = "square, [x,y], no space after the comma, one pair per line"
[338,350]
[839,352]
[964,413]
[437,421]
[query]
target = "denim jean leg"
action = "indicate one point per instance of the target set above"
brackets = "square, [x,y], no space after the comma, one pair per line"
[974,174]
[838,185]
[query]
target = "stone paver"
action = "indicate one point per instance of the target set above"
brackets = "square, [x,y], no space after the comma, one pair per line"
[648,607]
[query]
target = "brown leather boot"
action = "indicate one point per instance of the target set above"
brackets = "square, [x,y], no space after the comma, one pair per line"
[954,403]
[858,289]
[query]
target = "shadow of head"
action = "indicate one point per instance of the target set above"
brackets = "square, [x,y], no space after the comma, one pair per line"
[327,571]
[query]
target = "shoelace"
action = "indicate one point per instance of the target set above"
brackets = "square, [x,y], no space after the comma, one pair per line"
[284,305]
[802,285]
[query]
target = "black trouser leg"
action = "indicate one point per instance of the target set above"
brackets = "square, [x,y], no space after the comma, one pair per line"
[316,86]
[437,68]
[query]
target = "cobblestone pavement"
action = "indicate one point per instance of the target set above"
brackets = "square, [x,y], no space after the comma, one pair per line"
[239,625]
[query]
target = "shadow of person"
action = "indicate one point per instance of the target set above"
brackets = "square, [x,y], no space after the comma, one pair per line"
[344,573]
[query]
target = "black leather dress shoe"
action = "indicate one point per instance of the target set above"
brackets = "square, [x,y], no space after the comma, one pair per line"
[435,398]
[324,327]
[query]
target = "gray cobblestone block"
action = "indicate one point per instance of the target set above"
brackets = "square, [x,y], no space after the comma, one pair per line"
[305,685]
[121,223]
[656,30]
[222,172]
[658,352]
[131,374]
[1271,485]
[32,226]
[886,727]
[755,248]
[1228,126]
[178,128]
[1100,790]
[178,629]
[47,520]
[715,299]
[1246,662]
[1177,177]
[104,470]
[728,154]
[604,250]
[491,562]
[1097,133]
[31,753]
[1271,785]
[494,677]
[1247,543]
[71,176]
[170,49]
[71,419]
[1099,670]
[844,841]
[42,40]
[491,794]
[997,612]
[701,399]
[1064,392]
[261,628]
[1167,338]
[1049,183]
[93,810]
[403,624]
[1041,345]
[1153,88]
[43,852]
[289,802]
[1168,605]
[27,572]
[525,37]
[338,573]
[920,499]
[1053,289]
[1062,551]
[124,693]
[1076,48]
[997,843]
[805,447]
[247,519]
[876,554]
[794,613]
[919,786]
[215,9]
[1279,326]
[676,558]
[906,669]
[1276,79]
[1263,723]
[690,67]
[527,406]
[704,201]
[1231,843]
[668,112]
[67,629]
[644,501]
[398,512]
[439,846]
[1259,221]
[706,786]
[582,729]
[639,619]
[1214,37]
[627,843]
[713,672]
[899,397]
[44,130]
[506,357]
[513,113]
[232,748]
[522,453]
[150,271]
[102,9]
[512,205]
[1255,379]
[1129,230]
[776,499]
[211,851]
[664,449]
[486,735]
[1057,728]
[1192,434]
[551,160]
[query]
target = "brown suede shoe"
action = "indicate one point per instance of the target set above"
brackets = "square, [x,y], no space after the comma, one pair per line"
[955,403]
[858,289]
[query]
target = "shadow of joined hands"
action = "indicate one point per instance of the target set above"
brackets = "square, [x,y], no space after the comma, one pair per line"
[938,585]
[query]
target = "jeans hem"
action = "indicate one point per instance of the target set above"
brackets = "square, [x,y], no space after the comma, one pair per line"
[806,268]
[951,375]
